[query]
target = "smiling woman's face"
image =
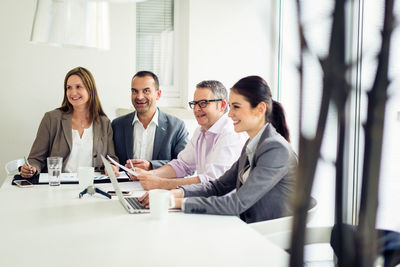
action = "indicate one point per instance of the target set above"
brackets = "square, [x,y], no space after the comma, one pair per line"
[246,118]
[77,93]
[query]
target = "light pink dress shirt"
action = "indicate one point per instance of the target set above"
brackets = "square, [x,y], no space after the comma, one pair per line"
[211,152]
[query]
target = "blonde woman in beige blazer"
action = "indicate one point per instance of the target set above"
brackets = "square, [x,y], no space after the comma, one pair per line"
[80,110]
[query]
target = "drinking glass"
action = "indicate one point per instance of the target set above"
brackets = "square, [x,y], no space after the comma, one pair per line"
[54,166]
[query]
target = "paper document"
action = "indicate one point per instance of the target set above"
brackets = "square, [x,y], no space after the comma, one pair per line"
[122,167]
[64,177]
[99,176]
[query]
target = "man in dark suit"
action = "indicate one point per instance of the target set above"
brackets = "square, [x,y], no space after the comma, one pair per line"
[148,137]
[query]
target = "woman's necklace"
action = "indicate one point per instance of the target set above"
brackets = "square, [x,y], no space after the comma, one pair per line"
[81,123]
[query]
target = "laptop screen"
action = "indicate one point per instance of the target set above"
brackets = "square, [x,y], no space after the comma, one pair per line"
[113,179]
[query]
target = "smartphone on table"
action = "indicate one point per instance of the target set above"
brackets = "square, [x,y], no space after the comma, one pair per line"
[23,183]
[112,193]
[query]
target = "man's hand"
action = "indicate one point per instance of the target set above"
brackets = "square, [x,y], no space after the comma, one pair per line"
[139,163]
[150,181]
[129,165]
[139,172]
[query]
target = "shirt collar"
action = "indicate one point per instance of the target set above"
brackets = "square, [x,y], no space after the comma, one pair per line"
[218,126]
[153,120]
[252,145]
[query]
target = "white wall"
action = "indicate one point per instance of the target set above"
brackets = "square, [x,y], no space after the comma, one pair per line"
[228,39]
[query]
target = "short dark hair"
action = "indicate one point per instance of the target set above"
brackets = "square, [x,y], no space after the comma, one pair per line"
[145,73]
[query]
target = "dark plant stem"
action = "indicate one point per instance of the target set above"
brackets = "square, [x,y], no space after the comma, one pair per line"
[377,96]
[309,149]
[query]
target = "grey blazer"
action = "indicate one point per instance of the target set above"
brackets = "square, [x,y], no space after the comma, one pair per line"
[266,193]
[54,138]
[170,138]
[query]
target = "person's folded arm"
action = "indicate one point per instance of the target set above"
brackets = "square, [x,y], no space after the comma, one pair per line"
[270,168]
[218,187]
[149,181]
[174,183]
[166,171]
[157,163]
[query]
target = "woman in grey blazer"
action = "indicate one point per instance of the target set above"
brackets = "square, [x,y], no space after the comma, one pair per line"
[264,174]
[78,131]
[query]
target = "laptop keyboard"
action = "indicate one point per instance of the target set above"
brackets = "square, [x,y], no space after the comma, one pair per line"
[134,202]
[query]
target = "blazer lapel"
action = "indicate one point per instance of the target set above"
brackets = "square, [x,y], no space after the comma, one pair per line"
[66,122]
[268,132]
[129,136]
[96,137]
[160,134]
[242,164]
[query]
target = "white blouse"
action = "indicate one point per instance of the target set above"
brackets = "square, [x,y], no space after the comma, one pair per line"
[82,150]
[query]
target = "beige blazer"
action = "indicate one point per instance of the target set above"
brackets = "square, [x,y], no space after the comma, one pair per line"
[54,138]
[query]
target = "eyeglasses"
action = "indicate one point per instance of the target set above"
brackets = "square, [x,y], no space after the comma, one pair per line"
[202,103]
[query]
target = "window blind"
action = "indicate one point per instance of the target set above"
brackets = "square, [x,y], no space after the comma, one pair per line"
[155,39]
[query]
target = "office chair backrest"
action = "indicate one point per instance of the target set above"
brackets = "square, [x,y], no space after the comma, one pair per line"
[12,166]
[314,235]
[269,227]
[279,230]
[284,223]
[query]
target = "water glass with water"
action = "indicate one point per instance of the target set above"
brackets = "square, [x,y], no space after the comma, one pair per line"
[54,166]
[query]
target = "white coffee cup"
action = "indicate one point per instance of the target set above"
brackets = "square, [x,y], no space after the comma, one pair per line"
[160,201]
[85,176]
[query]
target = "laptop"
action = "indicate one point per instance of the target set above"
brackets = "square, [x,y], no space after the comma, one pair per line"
[131,204]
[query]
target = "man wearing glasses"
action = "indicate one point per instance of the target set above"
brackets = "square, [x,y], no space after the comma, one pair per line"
[214,147]
[147,138]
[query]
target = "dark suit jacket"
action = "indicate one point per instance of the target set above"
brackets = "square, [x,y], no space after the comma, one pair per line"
[170,138]
[266,193]
[54,139]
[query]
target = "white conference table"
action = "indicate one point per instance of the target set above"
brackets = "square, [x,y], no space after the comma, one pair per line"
[50,226]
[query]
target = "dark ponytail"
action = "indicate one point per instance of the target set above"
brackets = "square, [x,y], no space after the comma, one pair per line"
[278,120]
[255,90]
